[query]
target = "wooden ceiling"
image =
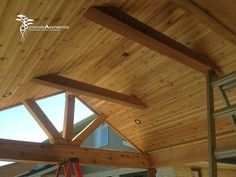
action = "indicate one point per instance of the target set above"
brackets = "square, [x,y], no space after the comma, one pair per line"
[174,93]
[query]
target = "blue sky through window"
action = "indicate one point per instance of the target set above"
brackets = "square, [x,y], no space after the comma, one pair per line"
[18,124]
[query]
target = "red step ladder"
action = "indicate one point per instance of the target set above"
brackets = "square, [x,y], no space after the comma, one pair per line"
[67,164]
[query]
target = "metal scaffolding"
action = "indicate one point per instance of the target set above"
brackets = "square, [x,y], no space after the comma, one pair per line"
[222,84]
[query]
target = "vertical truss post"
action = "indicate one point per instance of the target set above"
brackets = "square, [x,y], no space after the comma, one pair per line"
[211,125]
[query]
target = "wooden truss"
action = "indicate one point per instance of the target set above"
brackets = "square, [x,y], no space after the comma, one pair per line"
[64,145]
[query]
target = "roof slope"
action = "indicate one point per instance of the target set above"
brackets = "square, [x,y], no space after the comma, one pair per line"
[175,94]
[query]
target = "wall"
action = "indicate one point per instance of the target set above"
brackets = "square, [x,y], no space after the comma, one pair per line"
[185,171]
[15,169]
[221,172]
[114,142]
[166,172]
[177,171]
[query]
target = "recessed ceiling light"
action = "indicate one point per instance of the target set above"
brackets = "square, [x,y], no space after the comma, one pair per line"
[137,121]
[7,94]
[125,54]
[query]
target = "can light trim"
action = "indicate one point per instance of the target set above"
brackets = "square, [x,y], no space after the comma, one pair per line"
[7,94]
[137,121]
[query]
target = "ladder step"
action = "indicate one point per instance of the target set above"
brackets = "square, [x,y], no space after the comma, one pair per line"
[227,153]
[230,110]
[229,78]
[227,103]
[229,85]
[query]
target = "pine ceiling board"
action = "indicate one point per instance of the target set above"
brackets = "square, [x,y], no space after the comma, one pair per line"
[221,50]
[7,28]
[127,118]
[182,134]
[90,53]
[24,71]
[22,58]
[222,11]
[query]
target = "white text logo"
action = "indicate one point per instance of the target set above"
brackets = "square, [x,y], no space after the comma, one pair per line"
[27,25]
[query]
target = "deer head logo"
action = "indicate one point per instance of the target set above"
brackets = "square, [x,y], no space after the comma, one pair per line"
[25,24]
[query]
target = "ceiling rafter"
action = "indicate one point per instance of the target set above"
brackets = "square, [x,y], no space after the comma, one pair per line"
[43,121]
[67,133]
[81,88]
[52,153]
[118,21]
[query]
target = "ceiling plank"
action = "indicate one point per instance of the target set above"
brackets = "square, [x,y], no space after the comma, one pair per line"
[129,27]
[191,152]
[81,88]
[67,133]
[207,19]
[78,139]
[42,120]
[53,153]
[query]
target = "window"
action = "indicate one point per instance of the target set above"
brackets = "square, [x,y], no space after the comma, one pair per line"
[101,136]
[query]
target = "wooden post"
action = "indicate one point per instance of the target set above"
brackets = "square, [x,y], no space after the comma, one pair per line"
[69,118]
[211,126]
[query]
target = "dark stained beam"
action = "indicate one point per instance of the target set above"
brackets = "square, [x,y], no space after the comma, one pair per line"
[12,150]
[129,27]
[81,88]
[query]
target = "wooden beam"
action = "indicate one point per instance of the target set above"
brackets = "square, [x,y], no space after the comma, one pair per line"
[67,133]
[207,19]
[121,23]
[81,88]
[12,150]
[78,139]
[42,120]
[191,152]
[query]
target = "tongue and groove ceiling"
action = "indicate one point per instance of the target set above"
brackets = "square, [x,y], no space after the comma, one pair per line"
[174,93]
